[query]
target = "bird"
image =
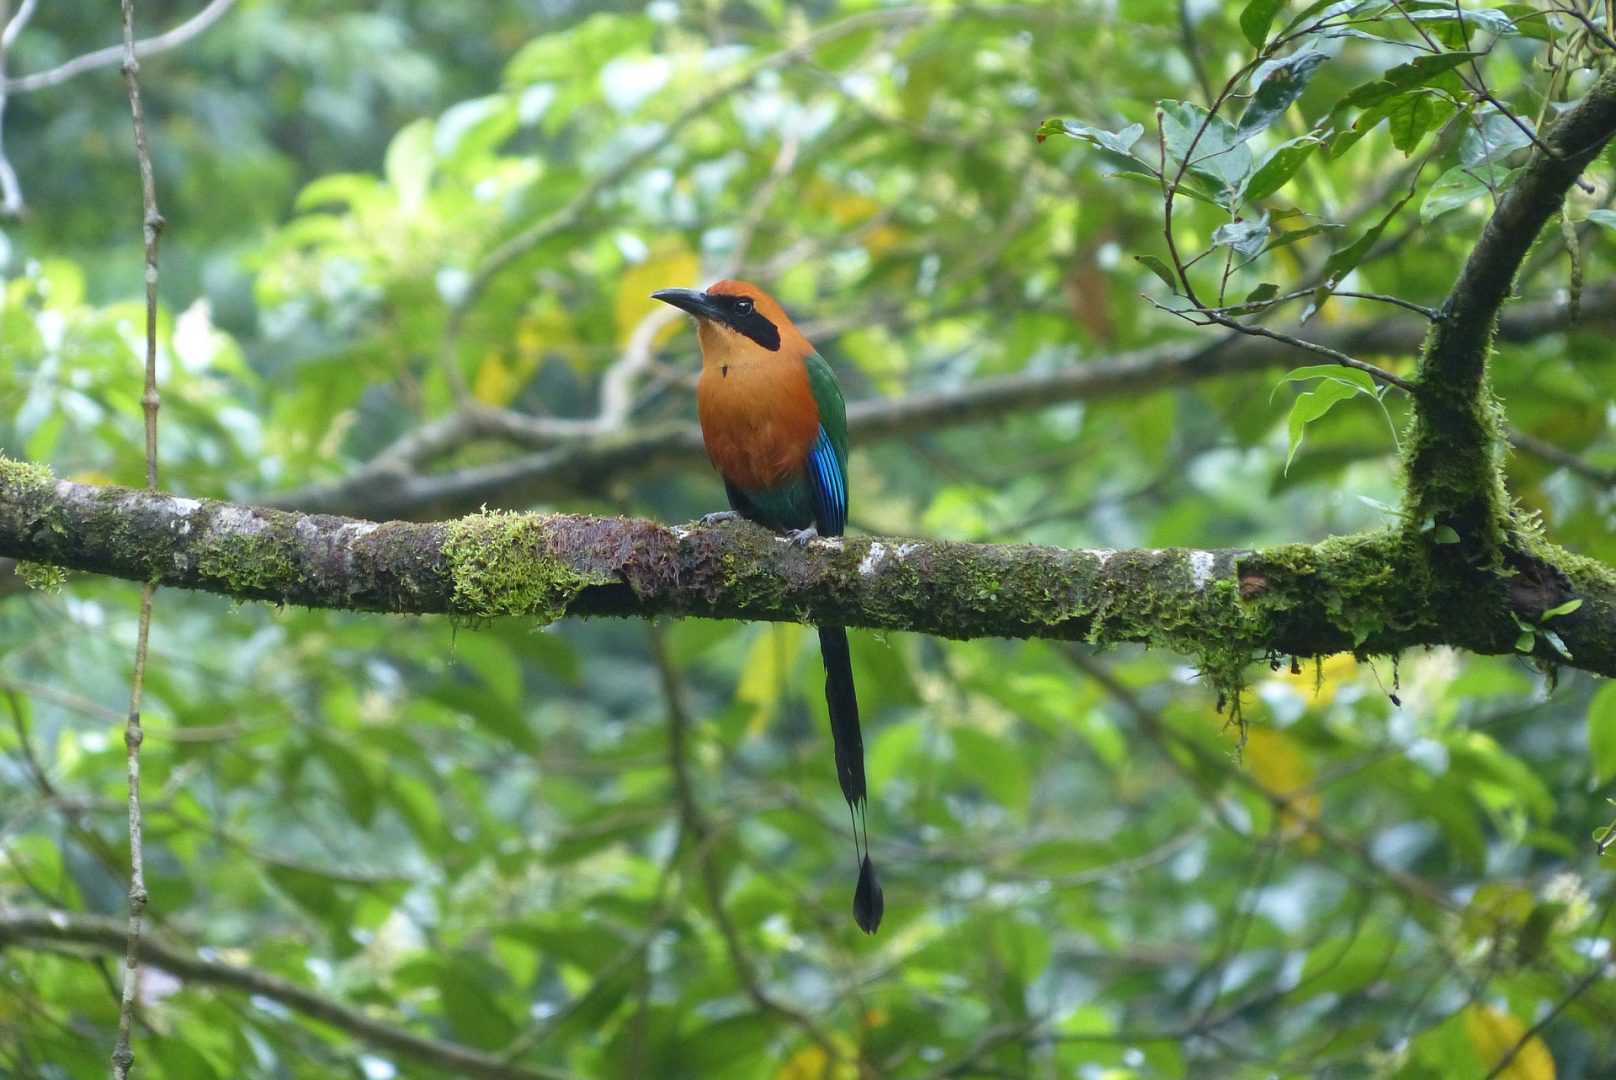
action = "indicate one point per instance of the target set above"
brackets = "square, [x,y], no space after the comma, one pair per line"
[775,427]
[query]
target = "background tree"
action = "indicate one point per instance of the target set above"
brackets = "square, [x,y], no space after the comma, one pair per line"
[406,276]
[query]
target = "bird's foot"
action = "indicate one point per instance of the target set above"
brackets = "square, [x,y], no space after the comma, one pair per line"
[719,515]
[802,536]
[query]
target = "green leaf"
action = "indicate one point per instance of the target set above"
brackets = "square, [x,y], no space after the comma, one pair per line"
[499,717]
[474,128]
[1359,380]
[1343,262]
[765,674]
[1279,165]
[1187,190]
[1421,71]
[1279,89]
[1603,218]
[1160,269]
[1461,186]
[1312,405]
[476,1016]
[995,764]
[1347,962]
[1602,733]
[1208,146]
[1246,238]
[1255,19]
[409,162]
[1492,136]
[313,893]
[1118,142]
[1529,20]
[1262,294]
[1535,930]
[1556,641]
[1561,609]
[1526,642]
[1412,116]
[1490,20]
[1293,235]
[1444,534]
[350,190]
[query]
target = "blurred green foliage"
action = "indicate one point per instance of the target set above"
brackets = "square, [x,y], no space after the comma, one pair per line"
[476,832]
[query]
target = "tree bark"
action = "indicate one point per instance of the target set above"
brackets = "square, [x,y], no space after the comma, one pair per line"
[1377,593]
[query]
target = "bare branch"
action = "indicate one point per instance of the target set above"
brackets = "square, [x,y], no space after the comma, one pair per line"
[113,55]
[576,456]
[123,1057]
[11,204]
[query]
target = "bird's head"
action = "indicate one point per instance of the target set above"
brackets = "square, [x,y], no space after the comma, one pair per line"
[735,317]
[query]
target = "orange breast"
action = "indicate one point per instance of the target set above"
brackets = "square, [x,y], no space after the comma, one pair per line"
[758,419]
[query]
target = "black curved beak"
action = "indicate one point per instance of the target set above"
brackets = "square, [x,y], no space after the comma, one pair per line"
[697,303]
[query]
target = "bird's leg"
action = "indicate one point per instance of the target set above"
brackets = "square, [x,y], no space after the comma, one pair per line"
[720,515]
[802,536]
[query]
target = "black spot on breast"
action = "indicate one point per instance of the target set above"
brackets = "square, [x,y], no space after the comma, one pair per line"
[724,371]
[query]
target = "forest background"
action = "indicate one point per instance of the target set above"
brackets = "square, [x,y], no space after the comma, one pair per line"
[404,274]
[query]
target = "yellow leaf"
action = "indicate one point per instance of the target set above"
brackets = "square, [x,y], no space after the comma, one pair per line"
[1334,671]
[495,384]
[547,329]
[1494,1035]
[765,672]
[670,266]
[812,1063]
[1278,763]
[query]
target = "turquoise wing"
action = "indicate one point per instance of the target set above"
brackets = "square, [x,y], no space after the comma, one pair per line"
[827,486]
[827,461]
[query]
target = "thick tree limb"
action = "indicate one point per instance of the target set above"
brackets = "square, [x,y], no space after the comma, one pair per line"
[574,455]
[29,928]
[1374,593]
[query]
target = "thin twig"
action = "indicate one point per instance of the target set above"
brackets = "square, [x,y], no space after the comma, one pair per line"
[151,227]
[11,204]
[1202,316]
[1544,450]
[113,55]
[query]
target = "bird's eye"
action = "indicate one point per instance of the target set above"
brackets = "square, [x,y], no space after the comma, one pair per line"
[743,306]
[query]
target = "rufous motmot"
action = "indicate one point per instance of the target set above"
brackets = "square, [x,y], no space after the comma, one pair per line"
[775,426]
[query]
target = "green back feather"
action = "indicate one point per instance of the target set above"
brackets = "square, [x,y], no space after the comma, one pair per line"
[832,409]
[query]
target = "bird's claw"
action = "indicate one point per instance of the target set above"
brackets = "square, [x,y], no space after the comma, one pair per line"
[802,536]
[719,515]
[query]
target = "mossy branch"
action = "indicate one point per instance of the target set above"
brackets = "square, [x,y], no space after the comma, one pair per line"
[1453,464]
[1375,593]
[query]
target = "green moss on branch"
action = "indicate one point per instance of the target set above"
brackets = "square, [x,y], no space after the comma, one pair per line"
[505,563]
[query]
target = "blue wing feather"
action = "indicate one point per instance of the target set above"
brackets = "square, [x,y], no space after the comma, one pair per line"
[827,485]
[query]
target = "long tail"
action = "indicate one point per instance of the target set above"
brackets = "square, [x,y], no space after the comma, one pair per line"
[842,700]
